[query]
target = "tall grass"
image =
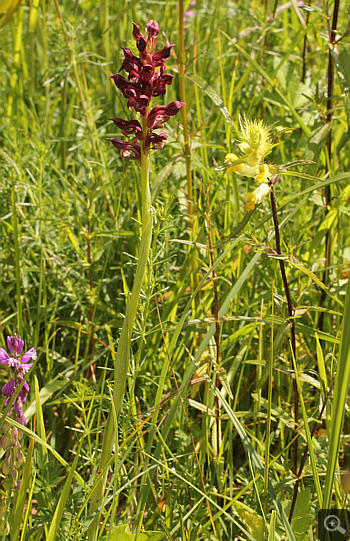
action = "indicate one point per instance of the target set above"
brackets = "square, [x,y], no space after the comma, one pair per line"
[205,438]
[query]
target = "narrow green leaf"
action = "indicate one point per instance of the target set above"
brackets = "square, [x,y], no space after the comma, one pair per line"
[272,526]
[339,400]
[308,436]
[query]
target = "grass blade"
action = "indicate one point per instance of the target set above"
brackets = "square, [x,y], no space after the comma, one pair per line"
[339,400]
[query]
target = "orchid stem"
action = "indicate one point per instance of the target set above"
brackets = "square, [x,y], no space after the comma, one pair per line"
[123,351]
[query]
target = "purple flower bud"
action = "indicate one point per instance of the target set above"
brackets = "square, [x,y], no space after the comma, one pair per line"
[9,388]
[23,392]
[159,85]
[140,40]
[163,113]
[128,127]
[15,436]
[7,463]
[163,54]
[146,74]
[19,411]
[21,419]
[6,440]
[130,62]
[17,456]
[130,150]
[125,86]
[167,78]
[152,29]
[15,345]
[157,141]
[4,356]
[174,107]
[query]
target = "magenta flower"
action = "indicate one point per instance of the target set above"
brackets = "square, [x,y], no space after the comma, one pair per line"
[9,388]
[20,366]
[10,439]
[146,80]
[15,349]
[15,344]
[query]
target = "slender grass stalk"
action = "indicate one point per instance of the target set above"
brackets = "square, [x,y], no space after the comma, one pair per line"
[269,408]
[17,256]
[107,45]
[187,148]
[291,321]
[46,67]
[259,371]
[16,64]
[217,344]
[330,88]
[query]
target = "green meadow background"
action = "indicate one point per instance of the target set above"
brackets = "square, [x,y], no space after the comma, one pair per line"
[204,450]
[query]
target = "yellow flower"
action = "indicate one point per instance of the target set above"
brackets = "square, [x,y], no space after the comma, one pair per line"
[264,174]
[252,199]
[241,168]
[255,145]
[256,142]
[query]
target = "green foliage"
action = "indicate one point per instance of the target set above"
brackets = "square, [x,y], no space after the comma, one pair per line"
[213,458]
[122,533]
[302,518]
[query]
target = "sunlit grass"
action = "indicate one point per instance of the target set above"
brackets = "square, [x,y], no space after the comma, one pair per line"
[71,214]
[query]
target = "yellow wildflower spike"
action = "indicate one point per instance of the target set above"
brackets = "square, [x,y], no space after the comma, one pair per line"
[255,137]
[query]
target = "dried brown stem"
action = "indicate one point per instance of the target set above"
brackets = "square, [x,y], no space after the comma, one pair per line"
[328,194]
[292,327]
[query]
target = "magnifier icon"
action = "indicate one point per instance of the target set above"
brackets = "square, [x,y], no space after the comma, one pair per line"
[332,524]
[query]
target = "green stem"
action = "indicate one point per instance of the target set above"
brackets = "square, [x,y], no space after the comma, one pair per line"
[17,258]
[122,358]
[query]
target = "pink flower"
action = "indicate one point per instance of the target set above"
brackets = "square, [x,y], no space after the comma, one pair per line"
[21,366]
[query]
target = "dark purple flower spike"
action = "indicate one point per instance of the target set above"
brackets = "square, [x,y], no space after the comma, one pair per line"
[146,80]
